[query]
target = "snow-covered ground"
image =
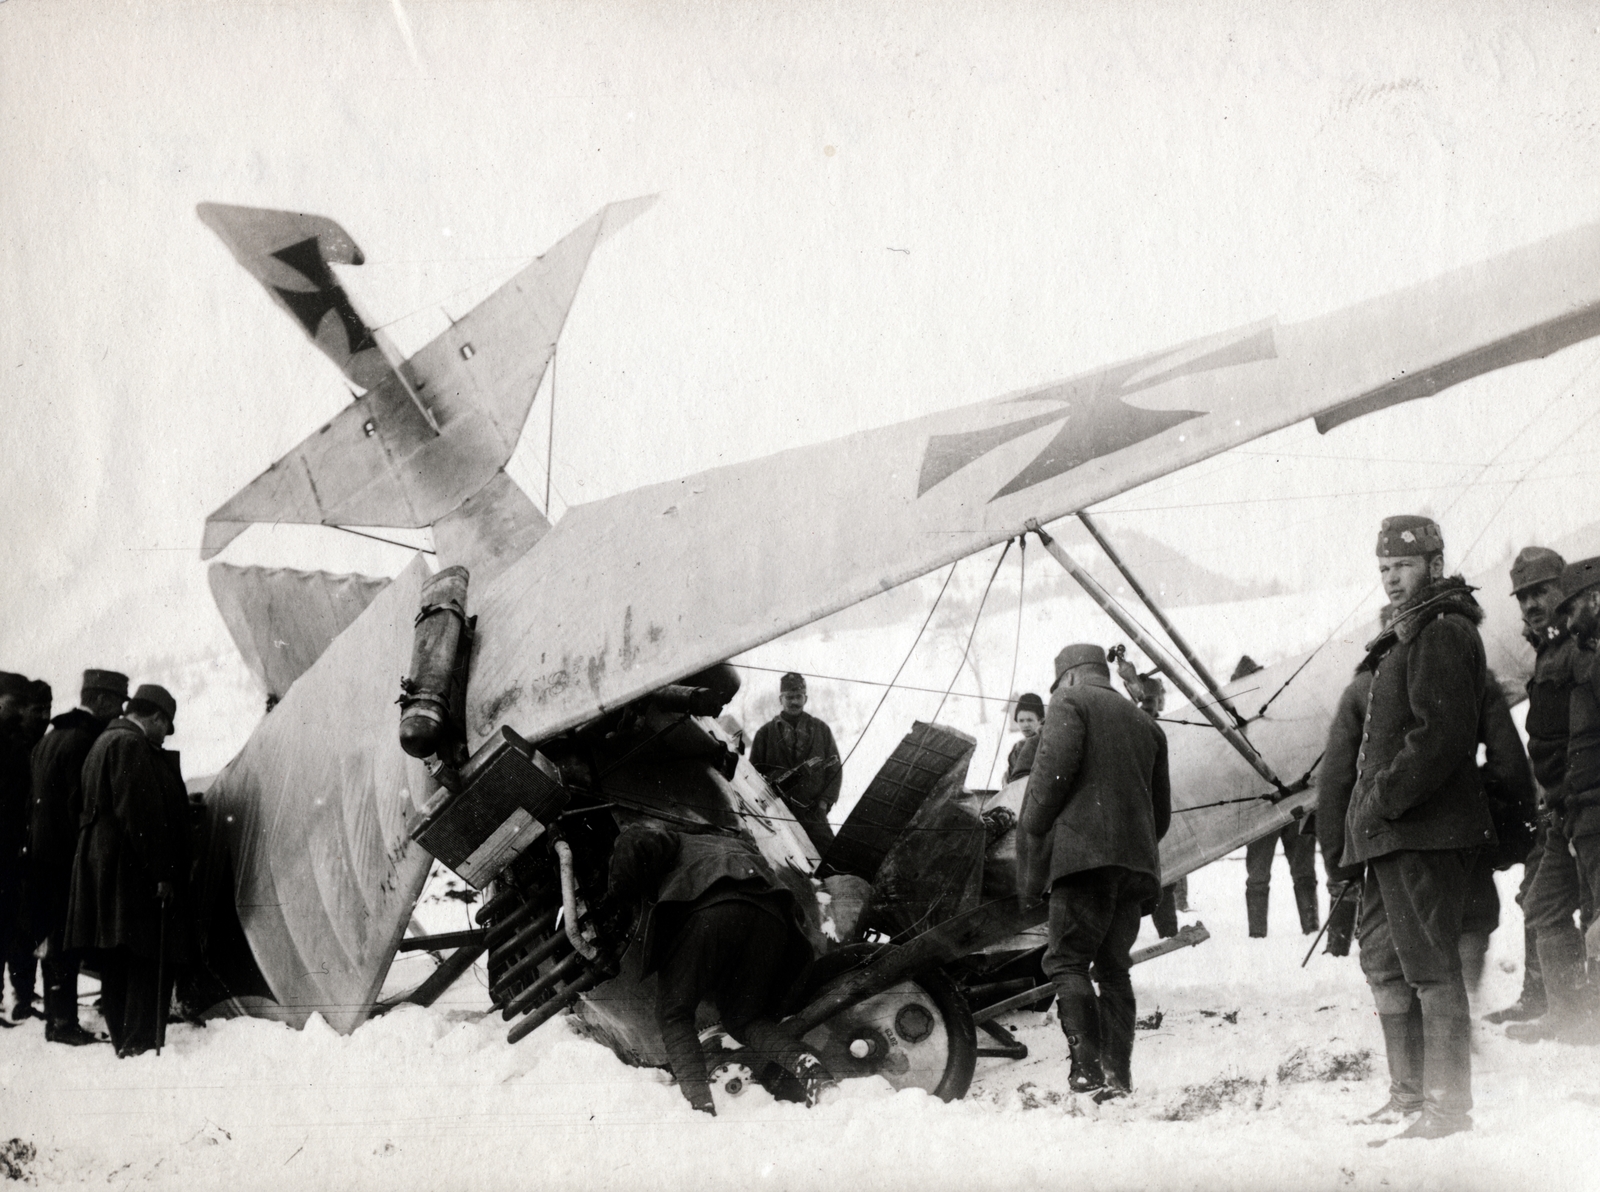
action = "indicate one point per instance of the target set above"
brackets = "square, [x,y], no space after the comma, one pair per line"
[1250,1081]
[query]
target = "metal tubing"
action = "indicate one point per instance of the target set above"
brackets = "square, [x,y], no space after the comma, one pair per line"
[541,952]
[438,943]
[1171,630]
[1161,658]
[501,932]
[569,902]
[489,910]
[563,998]
[551,979]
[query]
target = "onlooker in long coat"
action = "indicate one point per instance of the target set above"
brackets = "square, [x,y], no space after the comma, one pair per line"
[796,753]
[1097,804]
[1416,818]
[53,838]
[131,864]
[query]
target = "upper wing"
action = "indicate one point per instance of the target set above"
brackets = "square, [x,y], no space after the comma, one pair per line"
[427,436]
[633,592]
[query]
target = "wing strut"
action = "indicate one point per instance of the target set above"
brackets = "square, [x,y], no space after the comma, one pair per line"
[1177,639]
[1163,660]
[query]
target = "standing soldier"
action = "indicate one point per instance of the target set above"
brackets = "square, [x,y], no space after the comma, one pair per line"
[795,752]
[53,838]
[1300,849]
[1028,717]
[16,700]
[20,961]
[131,862]
[1570,863]
[1416,818]
[1097,803]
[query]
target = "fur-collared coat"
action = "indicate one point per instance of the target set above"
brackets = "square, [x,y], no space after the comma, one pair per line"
[1417,782]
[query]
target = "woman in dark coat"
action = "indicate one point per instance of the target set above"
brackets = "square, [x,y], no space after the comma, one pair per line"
[130,866]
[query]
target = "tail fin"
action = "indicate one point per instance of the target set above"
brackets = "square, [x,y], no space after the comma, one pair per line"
[428,436]
[289,254]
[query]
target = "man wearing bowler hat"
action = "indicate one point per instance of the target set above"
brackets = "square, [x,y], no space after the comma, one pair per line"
[1569,870]
[130,867]
[1416,819]
[1097,804]
[53,838]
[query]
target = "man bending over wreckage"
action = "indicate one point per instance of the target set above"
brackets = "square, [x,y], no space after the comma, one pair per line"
[720,928]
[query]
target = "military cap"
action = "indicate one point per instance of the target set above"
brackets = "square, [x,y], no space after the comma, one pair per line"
[1535,565]
[793,681]
[155,697]
[109,681]
[11,684]
[1577,578]
[1080,654]
[39,692]
[1029,702]
[1409,534]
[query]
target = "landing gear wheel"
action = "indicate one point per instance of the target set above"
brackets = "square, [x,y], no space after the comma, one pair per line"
[916,1034]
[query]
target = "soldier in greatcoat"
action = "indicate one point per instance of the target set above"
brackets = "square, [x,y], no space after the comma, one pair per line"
[16,700]
[1097,804]
[1416,819]
[53,838]
[1570,865]
[1536,584]
[128,876]
[796,753]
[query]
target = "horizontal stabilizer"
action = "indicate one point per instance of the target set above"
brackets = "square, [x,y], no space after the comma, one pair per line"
[423,440]
[282,619]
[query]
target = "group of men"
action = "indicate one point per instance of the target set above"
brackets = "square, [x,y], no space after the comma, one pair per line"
[94,855]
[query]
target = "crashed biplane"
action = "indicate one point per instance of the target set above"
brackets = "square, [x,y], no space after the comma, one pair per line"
[563,680]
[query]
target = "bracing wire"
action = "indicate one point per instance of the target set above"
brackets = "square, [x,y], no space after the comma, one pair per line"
[932,609]
[1016,651]
[966,650]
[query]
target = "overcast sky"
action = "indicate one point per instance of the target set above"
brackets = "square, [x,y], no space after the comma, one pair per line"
[868,212]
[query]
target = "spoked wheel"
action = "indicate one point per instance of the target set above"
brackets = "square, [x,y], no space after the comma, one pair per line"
[917,1034]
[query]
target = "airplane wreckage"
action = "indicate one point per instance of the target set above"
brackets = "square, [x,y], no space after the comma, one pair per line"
[565,680]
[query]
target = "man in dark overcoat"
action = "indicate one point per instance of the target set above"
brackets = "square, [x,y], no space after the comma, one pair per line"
[796,753]
[53,838]
[1097,804]
[16,699]
[1536,584]
[1416,819]
[718,927]
[20,960]
[130,868]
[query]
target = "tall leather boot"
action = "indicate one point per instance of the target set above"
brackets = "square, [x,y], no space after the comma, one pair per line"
[1571,1017]
[1403,1044]
[1117,1016]
[1305,900]
[1080,1023]
[1446,1079]
[1531,1003]
[1255,908]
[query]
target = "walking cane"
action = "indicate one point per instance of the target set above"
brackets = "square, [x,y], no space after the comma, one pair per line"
[1343,890]
[161,980]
